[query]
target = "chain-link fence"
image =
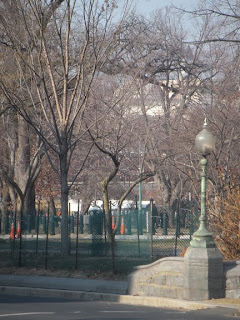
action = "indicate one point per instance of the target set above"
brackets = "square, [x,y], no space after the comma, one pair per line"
[147,234]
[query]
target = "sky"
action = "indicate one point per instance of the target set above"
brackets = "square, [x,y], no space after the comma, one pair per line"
[147,6]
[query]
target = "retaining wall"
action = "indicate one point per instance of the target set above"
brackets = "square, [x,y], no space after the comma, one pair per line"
[165,278]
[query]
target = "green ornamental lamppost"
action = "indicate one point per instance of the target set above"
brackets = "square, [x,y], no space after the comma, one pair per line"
[205,145]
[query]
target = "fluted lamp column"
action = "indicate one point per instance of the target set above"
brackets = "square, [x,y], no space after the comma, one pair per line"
[205,145]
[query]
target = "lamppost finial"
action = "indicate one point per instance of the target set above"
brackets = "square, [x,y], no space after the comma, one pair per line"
[205,122]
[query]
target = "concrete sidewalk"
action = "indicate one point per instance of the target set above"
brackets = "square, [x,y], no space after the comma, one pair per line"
[104,290]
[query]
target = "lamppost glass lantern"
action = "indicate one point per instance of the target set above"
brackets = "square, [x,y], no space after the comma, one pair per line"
[205,144]
[205,141]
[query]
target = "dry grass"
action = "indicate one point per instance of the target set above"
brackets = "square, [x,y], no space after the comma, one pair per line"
[63,273]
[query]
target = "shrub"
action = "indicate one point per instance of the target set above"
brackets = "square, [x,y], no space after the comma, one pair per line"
[224,219]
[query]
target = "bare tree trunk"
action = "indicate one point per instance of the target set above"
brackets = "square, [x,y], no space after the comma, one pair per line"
[108,217]
[22,161]
[4,204]
[64,202]
[52,207]
[106,207]
[29,202]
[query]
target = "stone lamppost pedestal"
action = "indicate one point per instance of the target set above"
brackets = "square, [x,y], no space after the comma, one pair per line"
[203,277]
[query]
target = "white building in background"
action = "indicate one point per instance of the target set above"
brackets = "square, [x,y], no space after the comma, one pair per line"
[73,205]
[127,205]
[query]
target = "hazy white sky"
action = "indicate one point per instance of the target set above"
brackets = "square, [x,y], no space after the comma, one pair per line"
[147,6]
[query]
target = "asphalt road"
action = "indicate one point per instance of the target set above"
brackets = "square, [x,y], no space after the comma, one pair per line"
[42,308]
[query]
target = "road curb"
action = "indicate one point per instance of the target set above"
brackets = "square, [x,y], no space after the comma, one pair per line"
[96,296]
[59,283]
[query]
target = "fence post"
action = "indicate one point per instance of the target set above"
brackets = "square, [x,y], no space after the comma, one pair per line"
[128,223]
[6,231]
[118,222]
[77,231]
[37,226]
[52,226]
[140,222]
[72,223]
[165,222]
[80,226]
[137,223]
[178,227]
[44,223]
[29,223]
[46,248]
[152,227]
[36,223]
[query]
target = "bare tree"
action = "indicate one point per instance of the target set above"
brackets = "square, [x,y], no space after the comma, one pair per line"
[170,79]
[222,18]
[62,45]
[113,135]
[24,148]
